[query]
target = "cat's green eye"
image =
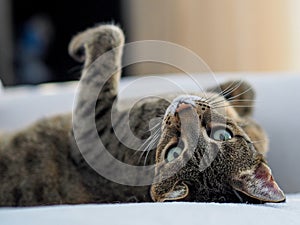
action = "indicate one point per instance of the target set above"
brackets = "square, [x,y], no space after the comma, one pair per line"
[173,153]
[221,134]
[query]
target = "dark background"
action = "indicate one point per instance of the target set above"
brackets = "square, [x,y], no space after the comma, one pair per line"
[66,18]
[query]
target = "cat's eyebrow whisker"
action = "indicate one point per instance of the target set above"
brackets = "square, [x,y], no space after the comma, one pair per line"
[156,126]
[234,100]
[231,88]
[234,88]
[237,100]
[244,100]
[227,90]
[149,147]
[149,139]
[244,92]
[144,150]
[143,145]
[148,150]
[258,141]
[213,98]
[235,106]
[148,144]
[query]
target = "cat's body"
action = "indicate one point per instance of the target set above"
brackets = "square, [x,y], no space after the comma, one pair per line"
[43,164]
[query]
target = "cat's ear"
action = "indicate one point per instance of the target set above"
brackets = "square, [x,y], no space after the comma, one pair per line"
[177,191]
[239,93]
[258,183]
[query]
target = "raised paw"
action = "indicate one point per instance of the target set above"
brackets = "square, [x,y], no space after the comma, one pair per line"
[93,42]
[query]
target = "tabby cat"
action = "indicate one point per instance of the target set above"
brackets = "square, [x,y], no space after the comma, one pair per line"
[204,148]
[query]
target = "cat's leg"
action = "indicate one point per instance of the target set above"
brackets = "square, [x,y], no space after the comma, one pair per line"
[101,73]
[91,44]
[101,50]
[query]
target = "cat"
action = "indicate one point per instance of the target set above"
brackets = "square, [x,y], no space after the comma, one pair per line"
[204,148]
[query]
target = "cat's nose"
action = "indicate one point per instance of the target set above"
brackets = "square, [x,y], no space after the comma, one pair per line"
[183,106]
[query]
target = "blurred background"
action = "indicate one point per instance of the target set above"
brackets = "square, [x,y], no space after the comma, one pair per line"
[229,35]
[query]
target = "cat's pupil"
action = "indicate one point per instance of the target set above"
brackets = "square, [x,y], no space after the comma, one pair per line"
[175,155]
[222,137]
[221,134]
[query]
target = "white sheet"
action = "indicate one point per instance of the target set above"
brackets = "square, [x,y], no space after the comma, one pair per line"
[158,213]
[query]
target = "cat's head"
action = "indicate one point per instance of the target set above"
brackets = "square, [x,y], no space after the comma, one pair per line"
[211,150]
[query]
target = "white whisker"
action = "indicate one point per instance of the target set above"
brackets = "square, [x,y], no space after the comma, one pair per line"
[244,92]
[229,89]
[233,101]
[235,106]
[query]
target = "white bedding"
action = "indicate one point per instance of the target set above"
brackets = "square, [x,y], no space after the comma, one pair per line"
[278,110]
[158,213]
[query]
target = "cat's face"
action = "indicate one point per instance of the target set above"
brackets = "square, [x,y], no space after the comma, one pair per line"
[206,153]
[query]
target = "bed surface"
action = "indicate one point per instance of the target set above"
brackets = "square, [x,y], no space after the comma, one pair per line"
[158,213]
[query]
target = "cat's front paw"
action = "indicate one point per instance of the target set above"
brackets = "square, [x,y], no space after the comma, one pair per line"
[95,41]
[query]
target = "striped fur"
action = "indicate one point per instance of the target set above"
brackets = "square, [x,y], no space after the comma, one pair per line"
[42,164]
